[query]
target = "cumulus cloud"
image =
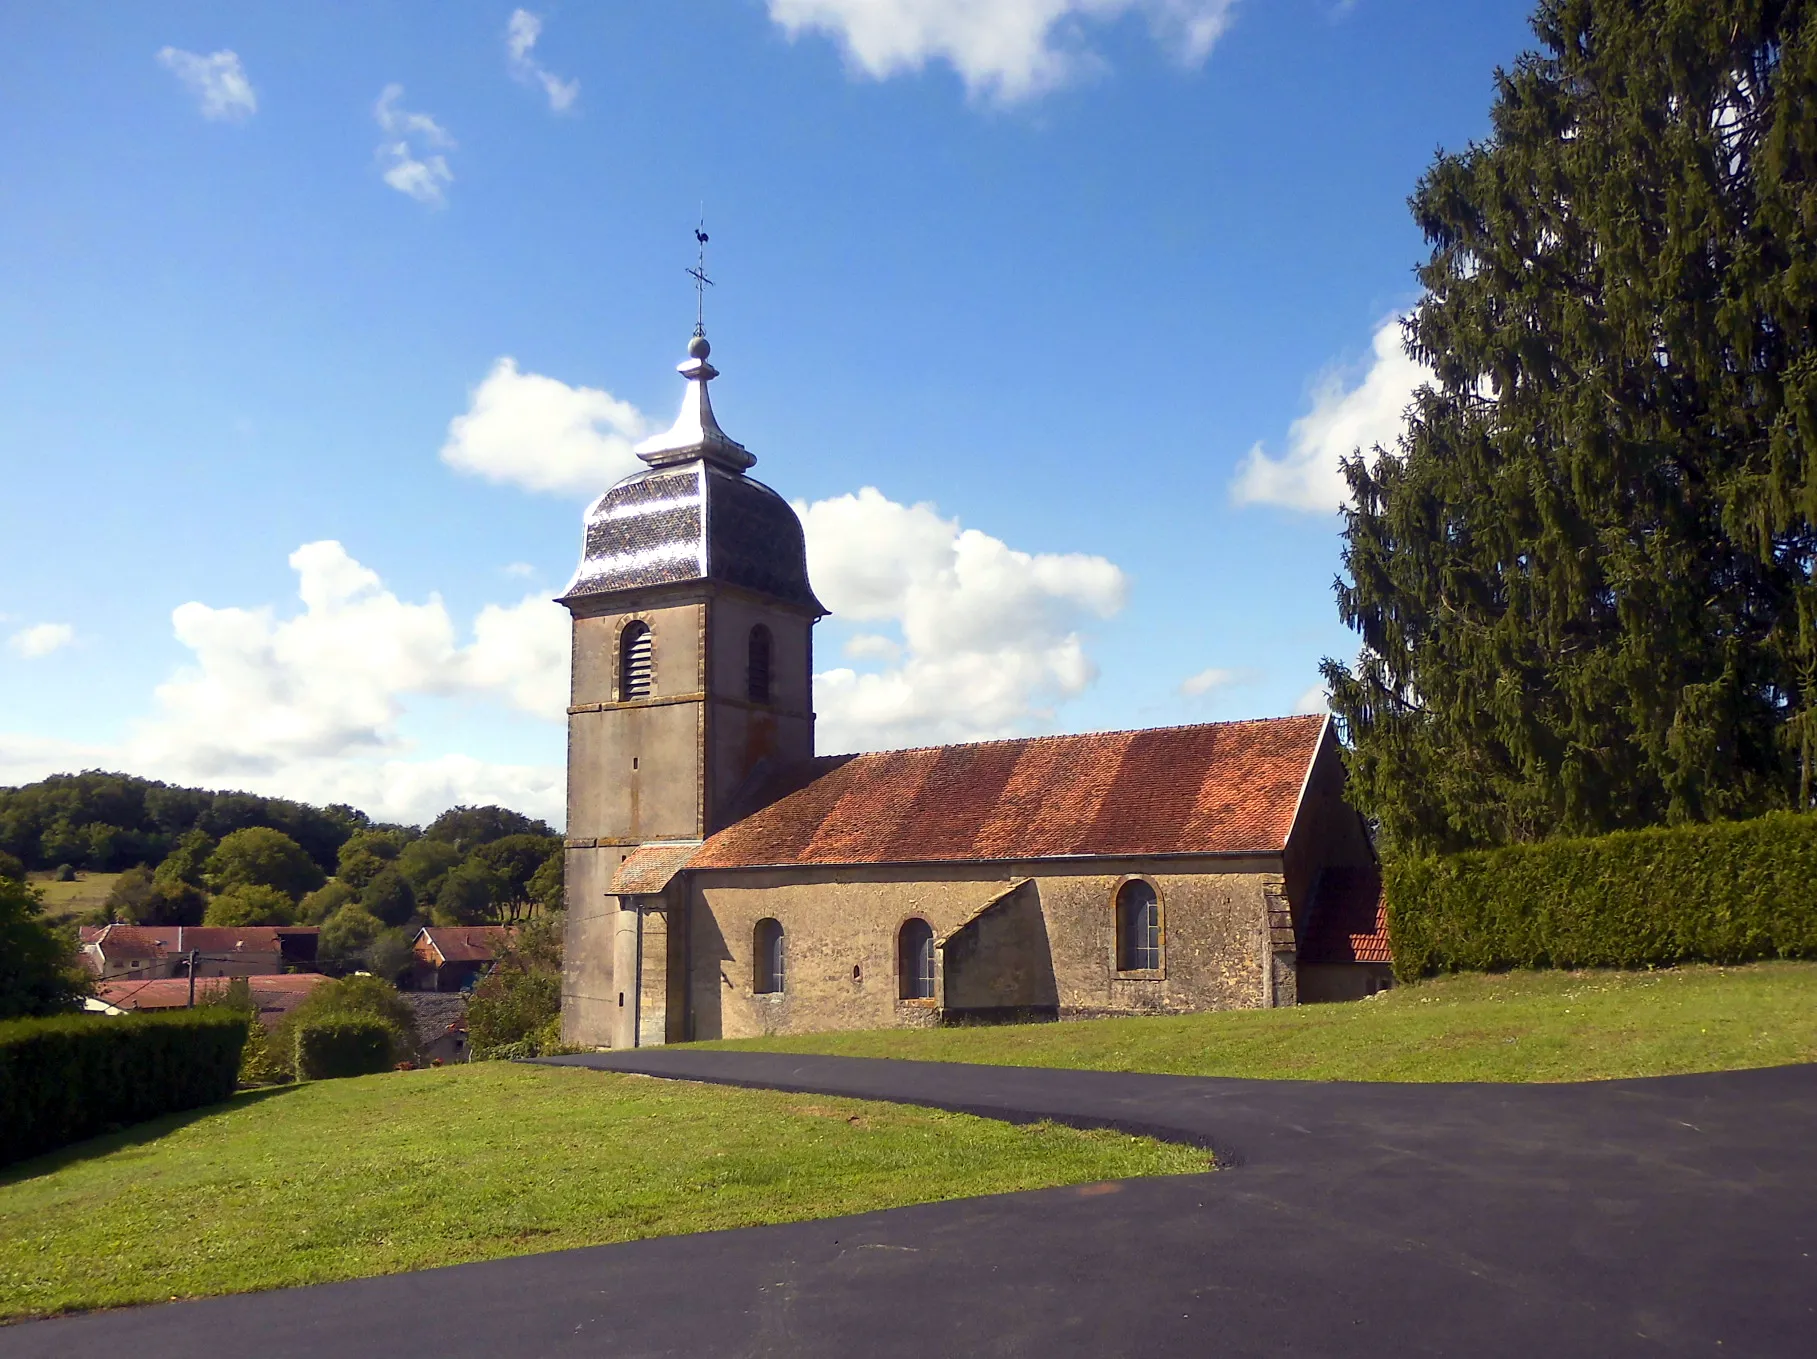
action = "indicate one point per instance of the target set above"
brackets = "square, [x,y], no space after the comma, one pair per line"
[991,638]
[1343,419]
[1006,49]
[1315,700]
[1207,681]
[308,703]
[41,639]
[217,80]
[520,45]
[543,435]
[411,150]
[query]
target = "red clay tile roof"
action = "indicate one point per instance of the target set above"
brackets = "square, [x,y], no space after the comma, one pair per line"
[1348,920]
[273,994]
[648,868]
[148,941]
[468,943]
[1221,788]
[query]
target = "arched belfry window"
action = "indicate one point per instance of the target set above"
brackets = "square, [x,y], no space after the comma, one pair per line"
[769,955]
[1138,927]
[915,960]
[757,676]
[636,661]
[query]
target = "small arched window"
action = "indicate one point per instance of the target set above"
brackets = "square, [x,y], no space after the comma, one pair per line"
[915,960]
[768,954]
[757,676]
[1138,927]
[636,661]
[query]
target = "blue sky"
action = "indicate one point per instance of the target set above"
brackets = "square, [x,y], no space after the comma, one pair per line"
[366,302]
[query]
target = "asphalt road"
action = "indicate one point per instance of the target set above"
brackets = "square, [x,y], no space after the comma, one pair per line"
[1667,1216]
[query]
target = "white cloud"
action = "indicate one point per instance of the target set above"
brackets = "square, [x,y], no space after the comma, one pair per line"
[1342,420]
[1206,681]
[520,42]
[521,570]
[308,704]
[41,639]
[1008,49]
[1315,700]
[217,80]
[411,151]
[541,434]
[991,638]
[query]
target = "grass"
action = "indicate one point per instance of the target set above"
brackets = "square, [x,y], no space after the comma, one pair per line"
[1520,1026]
[66,901]
[348,1178]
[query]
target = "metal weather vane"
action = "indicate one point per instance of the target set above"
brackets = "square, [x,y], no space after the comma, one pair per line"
[701,282]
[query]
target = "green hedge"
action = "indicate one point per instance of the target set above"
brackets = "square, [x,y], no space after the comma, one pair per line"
[72,1076]
[1730,892]
[327,1048]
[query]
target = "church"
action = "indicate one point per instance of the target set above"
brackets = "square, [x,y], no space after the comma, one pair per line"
[725,881]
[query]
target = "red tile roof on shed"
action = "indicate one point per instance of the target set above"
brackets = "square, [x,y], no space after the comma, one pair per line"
[1220,788]
[278,992]
[468,943]
[1349,919]
[152,940]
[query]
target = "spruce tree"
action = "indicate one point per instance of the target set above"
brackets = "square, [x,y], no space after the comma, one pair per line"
[1583,579]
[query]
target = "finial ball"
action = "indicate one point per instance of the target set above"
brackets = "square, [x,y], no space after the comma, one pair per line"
[698,348]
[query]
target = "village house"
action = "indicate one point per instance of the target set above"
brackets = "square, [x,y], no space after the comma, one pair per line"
[454,957]
[275,994]
[148,951]
[724,881]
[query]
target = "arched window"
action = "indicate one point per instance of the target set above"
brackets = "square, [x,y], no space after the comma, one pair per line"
[915,959]
[1138,927]
[636,661]
[768,954]
[757,677]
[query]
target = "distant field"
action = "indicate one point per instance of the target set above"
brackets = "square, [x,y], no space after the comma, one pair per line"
[1518,1026]
[349,1178]
[68,900]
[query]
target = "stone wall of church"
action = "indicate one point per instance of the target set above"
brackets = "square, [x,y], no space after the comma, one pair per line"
[589,1002]
[841,929]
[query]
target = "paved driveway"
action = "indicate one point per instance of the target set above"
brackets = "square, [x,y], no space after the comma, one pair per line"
[1668,1216]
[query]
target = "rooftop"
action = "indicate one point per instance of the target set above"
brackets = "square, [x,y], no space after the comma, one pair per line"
[1218,788]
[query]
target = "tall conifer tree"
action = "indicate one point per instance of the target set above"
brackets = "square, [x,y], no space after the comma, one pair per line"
[1583,581]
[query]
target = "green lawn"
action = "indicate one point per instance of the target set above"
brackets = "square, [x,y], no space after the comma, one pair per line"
[71,900]
[1522,1026]
[342,1179]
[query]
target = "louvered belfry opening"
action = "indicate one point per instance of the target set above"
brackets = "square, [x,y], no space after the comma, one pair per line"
[636,661]
[757,676]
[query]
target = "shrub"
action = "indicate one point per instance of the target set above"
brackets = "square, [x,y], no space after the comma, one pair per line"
[333,1047]
[72,1076]
[516,1008]
[361,998]
[39,974]
[65,873]
[251,904]
[1726,892]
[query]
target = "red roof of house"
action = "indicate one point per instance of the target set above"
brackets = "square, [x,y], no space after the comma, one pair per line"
[648,868]
[273,994]
[1220,788]
[468,943]
[150,941]
[1348,920]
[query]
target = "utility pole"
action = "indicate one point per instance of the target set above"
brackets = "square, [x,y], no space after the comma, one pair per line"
[193,955]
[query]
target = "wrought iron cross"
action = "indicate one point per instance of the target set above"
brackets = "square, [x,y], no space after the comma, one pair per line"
[701,282]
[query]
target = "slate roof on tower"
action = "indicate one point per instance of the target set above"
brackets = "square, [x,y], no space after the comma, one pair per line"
[694,515]
[1220,788]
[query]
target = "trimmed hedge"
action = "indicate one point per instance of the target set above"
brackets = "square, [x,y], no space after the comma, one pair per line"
[70,1077]
[1728,892]
[327,1048]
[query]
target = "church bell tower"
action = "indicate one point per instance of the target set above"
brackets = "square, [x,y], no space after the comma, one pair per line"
[692,669]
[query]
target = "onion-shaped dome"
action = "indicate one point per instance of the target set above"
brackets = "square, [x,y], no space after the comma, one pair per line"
[694,515]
